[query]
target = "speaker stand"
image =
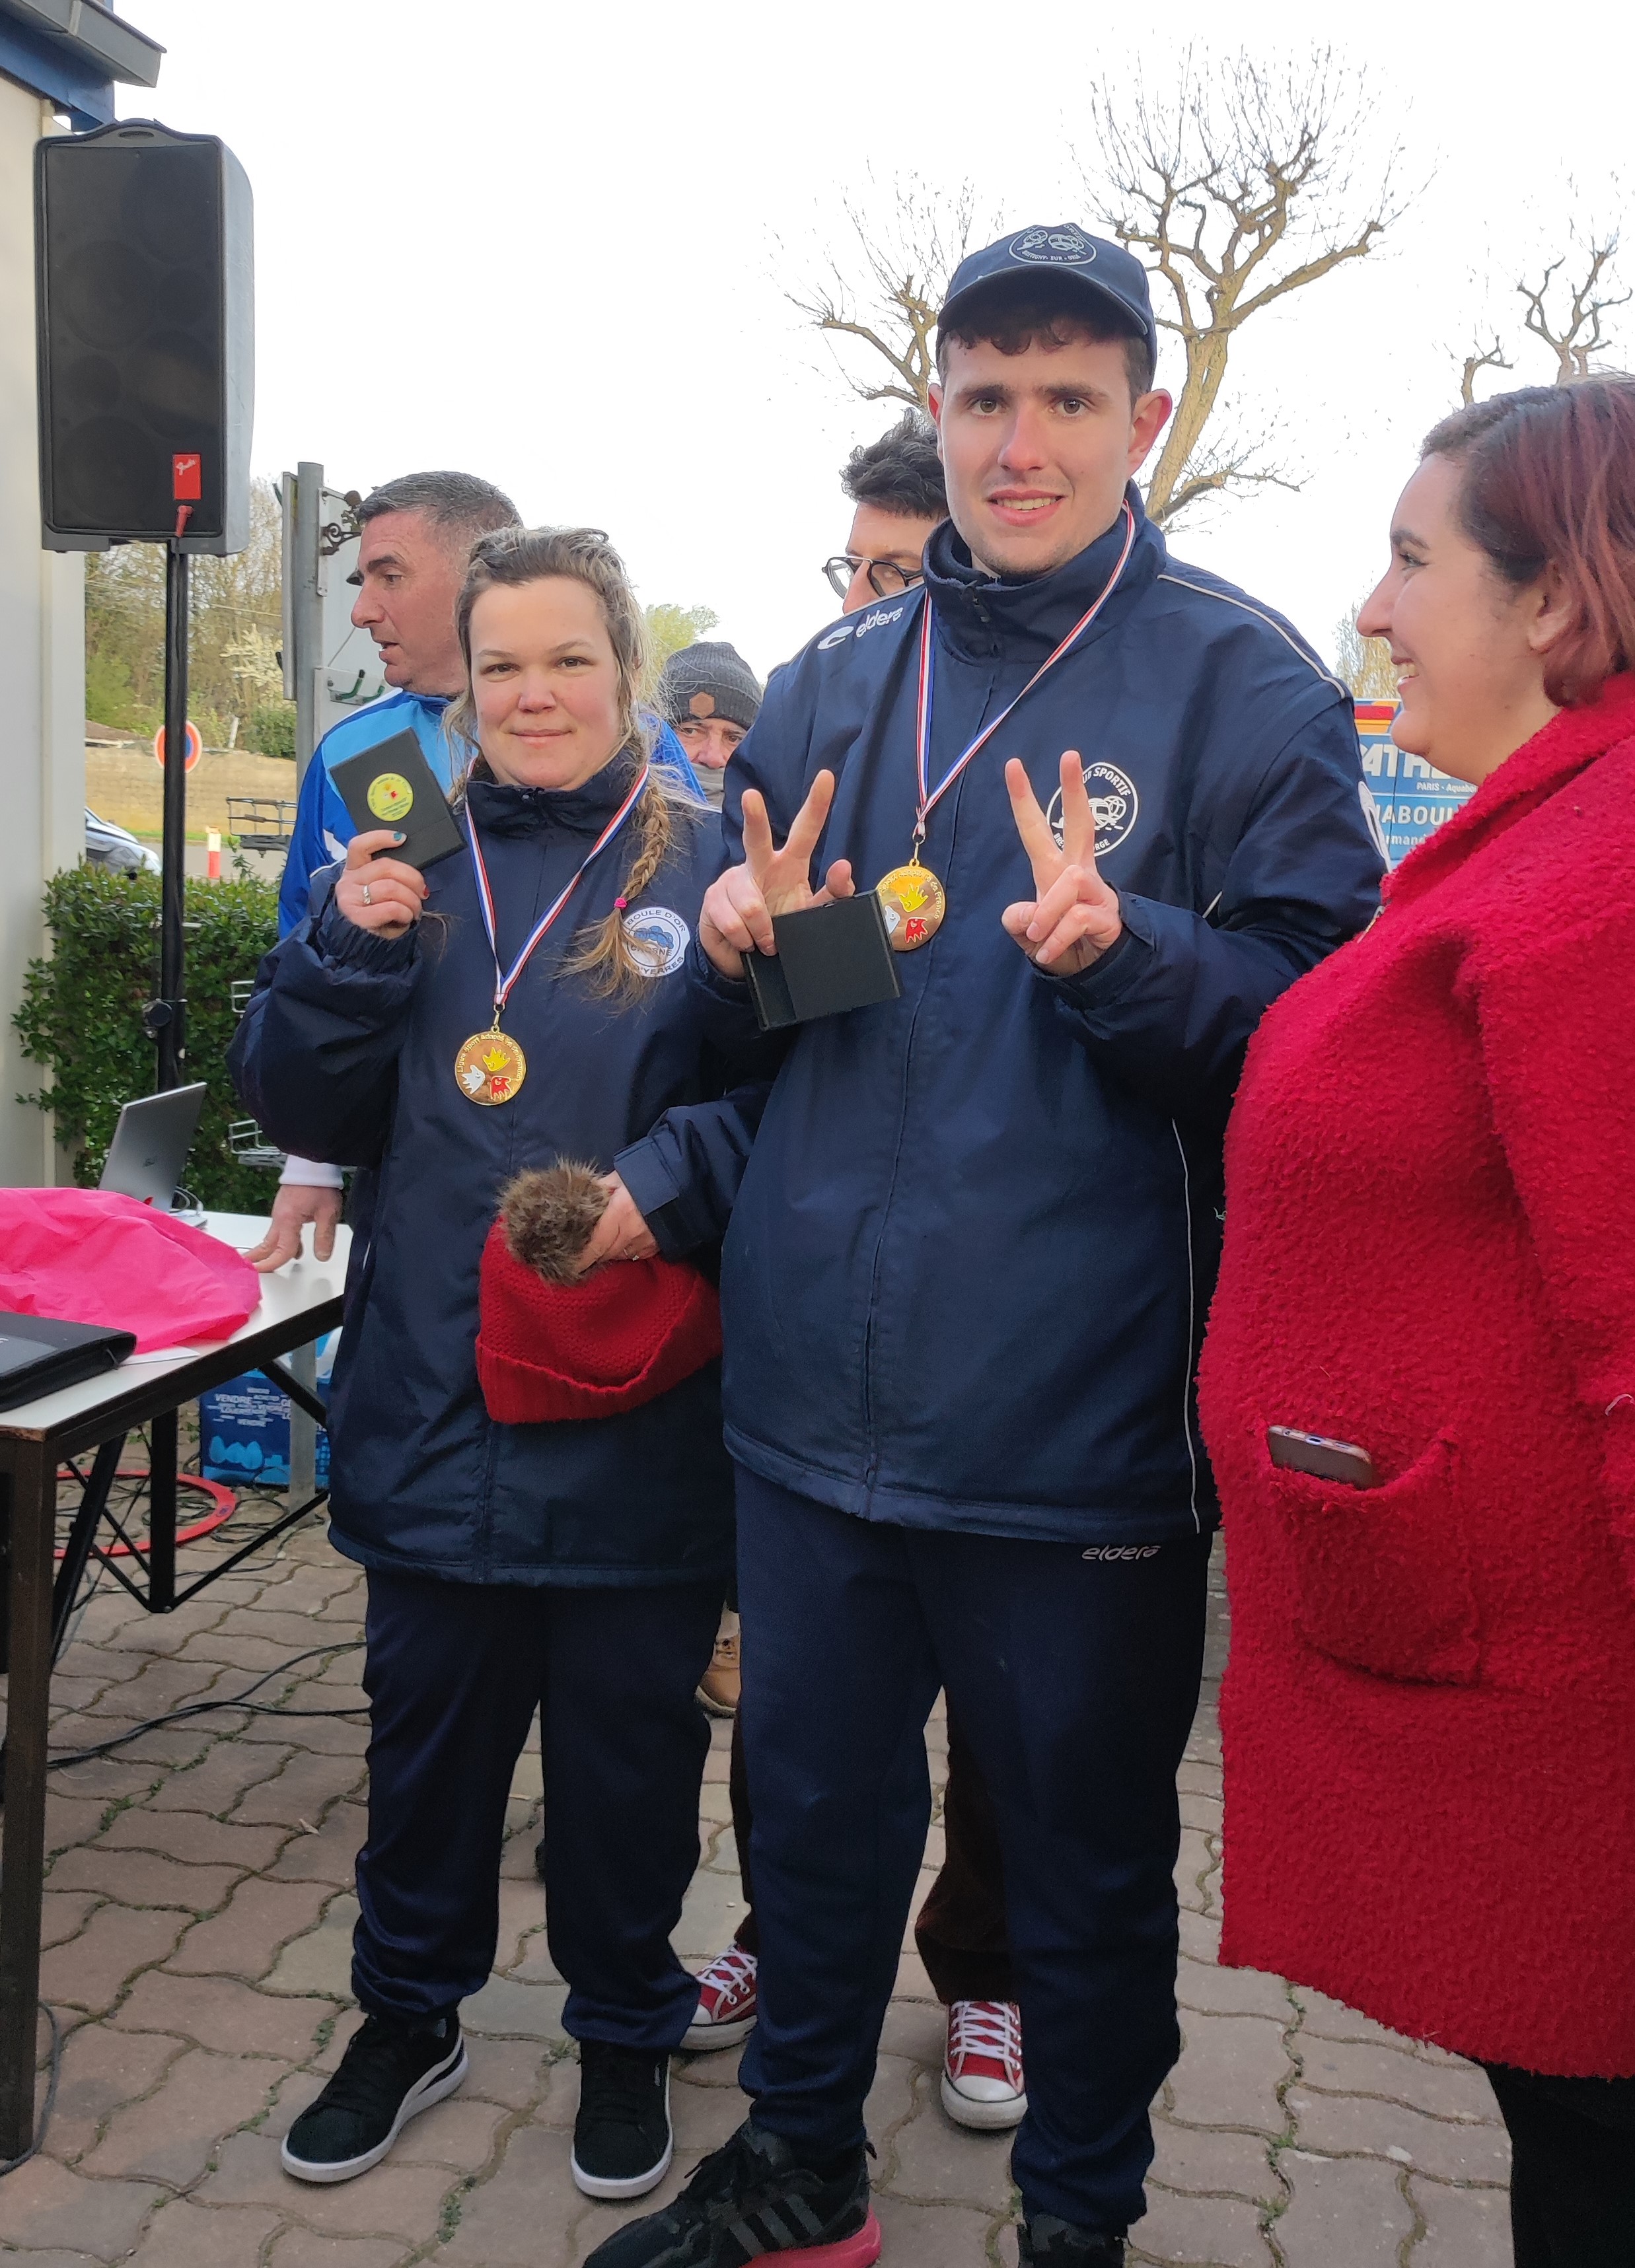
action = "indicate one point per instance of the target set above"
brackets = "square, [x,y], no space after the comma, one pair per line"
[165,1018]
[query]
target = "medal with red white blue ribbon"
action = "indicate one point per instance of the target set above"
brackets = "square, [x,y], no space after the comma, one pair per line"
[490,1066]
[911,898]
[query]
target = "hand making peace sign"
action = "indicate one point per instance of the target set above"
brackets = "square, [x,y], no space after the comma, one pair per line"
[1074,918]
[739,905]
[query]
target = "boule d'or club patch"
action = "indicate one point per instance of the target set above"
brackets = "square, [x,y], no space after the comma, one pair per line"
[661,938]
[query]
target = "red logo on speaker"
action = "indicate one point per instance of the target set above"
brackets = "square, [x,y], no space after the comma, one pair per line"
[185,473]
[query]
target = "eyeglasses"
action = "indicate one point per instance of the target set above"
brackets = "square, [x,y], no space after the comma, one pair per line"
[885,578]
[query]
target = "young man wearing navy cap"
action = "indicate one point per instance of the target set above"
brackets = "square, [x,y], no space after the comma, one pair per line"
[1113,807]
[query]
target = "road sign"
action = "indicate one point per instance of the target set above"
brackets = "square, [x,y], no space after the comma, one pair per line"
[1412,799]
[195,748]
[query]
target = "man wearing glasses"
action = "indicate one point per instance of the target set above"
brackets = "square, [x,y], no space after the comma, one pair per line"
[896,484]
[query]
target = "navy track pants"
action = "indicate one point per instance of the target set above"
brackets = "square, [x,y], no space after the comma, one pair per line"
[454,1672]
[1076,1680]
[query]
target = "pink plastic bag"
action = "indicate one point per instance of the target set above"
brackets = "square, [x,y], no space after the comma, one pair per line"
[91,1256]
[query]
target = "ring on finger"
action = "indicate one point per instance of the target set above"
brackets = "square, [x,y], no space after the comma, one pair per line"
[368,901]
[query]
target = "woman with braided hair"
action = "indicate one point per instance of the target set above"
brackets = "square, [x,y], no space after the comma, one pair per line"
[526,1450]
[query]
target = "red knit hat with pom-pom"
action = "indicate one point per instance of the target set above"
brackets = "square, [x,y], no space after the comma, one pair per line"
[622,1335]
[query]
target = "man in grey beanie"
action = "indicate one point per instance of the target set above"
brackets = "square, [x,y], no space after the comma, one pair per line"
[711,696]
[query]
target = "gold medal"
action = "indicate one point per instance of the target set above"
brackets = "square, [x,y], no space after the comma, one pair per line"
[914,902]
[490,1067]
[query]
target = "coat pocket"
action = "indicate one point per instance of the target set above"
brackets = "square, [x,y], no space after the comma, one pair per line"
[1383,1574]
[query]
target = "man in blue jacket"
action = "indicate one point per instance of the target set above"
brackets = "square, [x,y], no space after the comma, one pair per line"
[1114,806]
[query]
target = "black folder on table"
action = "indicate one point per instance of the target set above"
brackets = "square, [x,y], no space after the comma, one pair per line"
[38,1355]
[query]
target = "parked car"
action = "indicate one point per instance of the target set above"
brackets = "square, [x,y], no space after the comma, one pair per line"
[115,850]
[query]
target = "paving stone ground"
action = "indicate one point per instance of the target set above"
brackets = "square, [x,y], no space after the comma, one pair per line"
[198,1913]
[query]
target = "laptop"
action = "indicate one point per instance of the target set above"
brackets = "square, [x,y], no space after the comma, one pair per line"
[150,1145]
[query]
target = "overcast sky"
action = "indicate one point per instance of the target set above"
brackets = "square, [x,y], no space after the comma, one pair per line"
[548,243]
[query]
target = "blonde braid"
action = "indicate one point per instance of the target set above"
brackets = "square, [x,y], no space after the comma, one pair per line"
[616,965]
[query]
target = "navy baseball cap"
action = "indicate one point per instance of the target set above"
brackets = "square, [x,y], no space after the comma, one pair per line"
[1113,275]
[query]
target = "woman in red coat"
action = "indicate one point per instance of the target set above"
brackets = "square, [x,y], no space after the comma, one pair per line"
[1429,1714]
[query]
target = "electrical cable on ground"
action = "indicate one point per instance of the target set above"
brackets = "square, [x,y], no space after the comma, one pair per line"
[201,1708]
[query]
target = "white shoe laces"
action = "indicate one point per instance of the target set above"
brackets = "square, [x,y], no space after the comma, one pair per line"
[729,1974]
[990,2029]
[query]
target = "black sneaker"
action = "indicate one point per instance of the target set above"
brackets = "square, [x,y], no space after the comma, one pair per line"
[754,2198]
[390,2072]
[1044,2242]
[621,2139]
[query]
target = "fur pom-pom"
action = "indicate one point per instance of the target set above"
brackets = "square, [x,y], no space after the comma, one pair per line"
[548,1216]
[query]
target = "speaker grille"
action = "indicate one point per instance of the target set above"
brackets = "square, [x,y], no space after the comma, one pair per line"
[133,334]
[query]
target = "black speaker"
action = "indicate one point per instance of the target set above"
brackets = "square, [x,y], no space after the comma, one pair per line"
[146,334]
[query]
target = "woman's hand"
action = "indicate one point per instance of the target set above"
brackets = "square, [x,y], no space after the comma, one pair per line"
[381,894]
[621,1234]
[739,905]
[1075,917]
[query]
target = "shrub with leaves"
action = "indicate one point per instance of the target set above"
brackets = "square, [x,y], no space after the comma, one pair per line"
[81,1016]
[270,730]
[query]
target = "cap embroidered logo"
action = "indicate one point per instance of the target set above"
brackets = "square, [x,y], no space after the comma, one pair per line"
[1067,246]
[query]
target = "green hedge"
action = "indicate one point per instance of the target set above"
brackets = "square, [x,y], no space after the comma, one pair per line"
[81,1016]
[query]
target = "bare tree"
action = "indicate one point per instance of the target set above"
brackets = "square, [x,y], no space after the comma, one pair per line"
[884,294]
[1566,308]
[1235,186]
[1490,357]
[1573,336]
[1365,663]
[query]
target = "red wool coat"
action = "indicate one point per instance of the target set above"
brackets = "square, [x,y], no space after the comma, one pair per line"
[1429,1712]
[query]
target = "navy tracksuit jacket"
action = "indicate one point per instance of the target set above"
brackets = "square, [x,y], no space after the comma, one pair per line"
[968,1267]
[963,1289]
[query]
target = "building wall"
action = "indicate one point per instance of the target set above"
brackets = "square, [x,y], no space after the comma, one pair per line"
[43,653]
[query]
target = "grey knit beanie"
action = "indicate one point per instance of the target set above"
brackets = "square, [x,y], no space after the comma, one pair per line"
[708,678]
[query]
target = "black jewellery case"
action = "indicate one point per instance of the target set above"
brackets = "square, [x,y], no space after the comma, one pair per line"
[828,959]
[392,785]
